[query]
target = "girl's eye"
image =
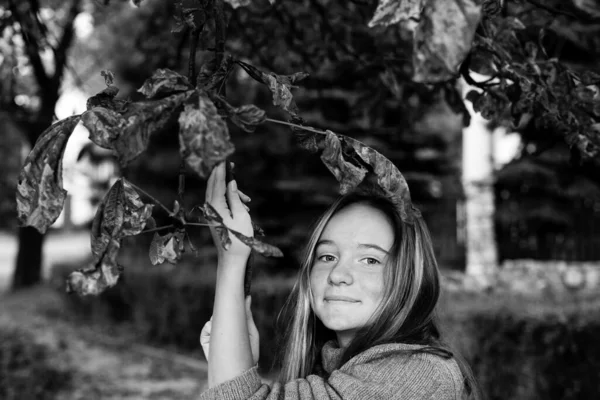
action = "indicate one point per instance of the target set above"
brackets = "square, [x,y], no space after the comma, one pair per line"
[372,261]
[326,258]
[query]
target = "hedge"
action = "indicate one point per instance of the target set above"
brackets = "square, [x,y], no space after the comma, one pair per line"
[26,372]
[517,348]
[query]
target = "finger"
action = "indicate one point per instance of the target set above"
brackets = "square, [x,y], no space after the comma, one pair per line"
[210,185]
[233,198]
[245,198]
[219,183]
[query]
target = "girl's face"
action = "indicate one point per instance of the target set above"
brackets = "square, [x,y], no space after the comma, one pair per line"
[347,276]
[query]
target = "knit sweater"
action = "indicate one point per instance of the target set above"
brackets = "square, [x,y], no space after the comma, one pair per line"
[382,372]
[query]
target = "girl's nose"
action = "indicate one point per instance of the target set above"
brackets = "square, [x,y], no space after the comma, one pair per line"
[340,274]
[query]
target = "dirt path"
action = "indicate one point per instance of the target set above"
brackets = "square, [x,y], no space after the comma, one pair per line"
[107,365]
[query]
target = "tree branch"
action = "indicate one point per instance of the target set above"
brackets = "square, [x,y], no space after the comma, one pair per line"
[64,43]
[31,46]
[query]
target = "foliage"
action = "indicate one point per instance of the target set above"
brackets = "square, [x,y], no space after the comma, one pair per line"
[25,369]
[520,353]
[447,39]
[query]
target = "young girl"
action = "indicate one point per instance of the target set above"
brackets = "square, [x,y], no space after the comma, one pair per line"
[362,310]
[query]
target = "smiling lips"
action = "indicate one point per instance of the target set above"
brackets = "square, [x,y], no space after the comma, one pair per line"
[340,299]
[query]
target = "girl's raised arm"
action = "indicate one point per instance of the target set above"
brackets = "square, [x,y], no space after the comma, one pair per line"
[230,352]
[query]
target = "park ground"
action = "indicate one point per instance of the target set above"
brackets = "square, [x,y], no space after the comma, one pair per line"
[108,362]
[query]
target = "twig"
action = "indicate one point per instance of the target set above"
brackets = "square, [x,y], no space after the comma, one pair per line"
[198,224]
[194,35]
[160,228]
[150,197]
[219,32]
[306,128]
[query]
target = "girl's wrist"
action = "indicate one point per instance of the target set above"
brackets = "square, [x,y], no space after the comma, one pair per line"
[232,262]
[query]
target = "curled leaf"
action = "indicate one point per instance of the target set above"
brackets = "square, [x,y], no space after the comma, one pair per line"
[121,213]
[393,11]
[213,215]
[40,193]
[169,247]
[203,136]
[263,248]
[279,85]
[130,134]
[164,82]
[106,99]
[103,274]
[348,174]
[359,167]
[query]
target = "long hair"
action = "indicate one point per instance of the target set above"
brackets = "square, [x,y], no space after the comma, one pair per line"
[406,315]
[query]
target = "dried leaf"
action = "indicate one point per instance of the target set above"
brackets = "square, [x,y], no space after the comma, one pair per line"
[443,38]
[104,125]
[212,79]
[169,247]
[361,168]
[279,85]
[348,174]
[40,193]
[393,11]
[213,215]
[247,117]
[106,99]
[143,119]
[265,249]
[109,77]
[103,274]
[203,136]
[164,82]
[121,213]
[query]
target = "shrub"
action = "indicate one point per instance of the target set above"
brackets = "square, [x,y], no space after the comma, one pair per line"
[169,305]
[519,349]
[26,372]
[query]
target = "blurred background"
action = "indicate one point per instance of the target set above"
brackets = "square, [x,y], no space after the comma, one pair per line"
[514,215]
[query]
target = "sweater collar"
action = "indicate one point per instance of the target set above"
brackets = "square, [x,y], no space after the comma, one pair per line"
[331,355]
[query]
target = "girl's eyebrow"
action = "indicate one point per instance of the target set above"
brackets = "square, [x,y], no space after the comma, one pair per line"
[372,246]
[361,245]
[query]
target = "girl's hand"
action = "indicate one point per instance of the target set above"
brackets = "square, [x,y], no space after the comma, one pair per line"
[252,333]
[234,213]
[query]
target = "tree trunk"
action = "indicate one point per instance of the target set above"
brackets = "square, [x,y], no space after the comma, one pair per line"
[478,178]
[28,268]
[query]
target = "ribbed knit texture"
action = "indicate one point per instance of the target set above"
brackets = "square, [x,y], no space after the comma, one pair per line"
[382,372]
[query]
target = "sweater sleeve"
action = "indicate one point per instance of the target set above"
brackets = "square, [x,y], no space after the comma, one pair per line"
[401,377]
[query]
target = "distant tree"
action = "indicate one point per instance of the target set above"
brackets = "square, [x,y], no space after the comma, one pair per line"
[41,34]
